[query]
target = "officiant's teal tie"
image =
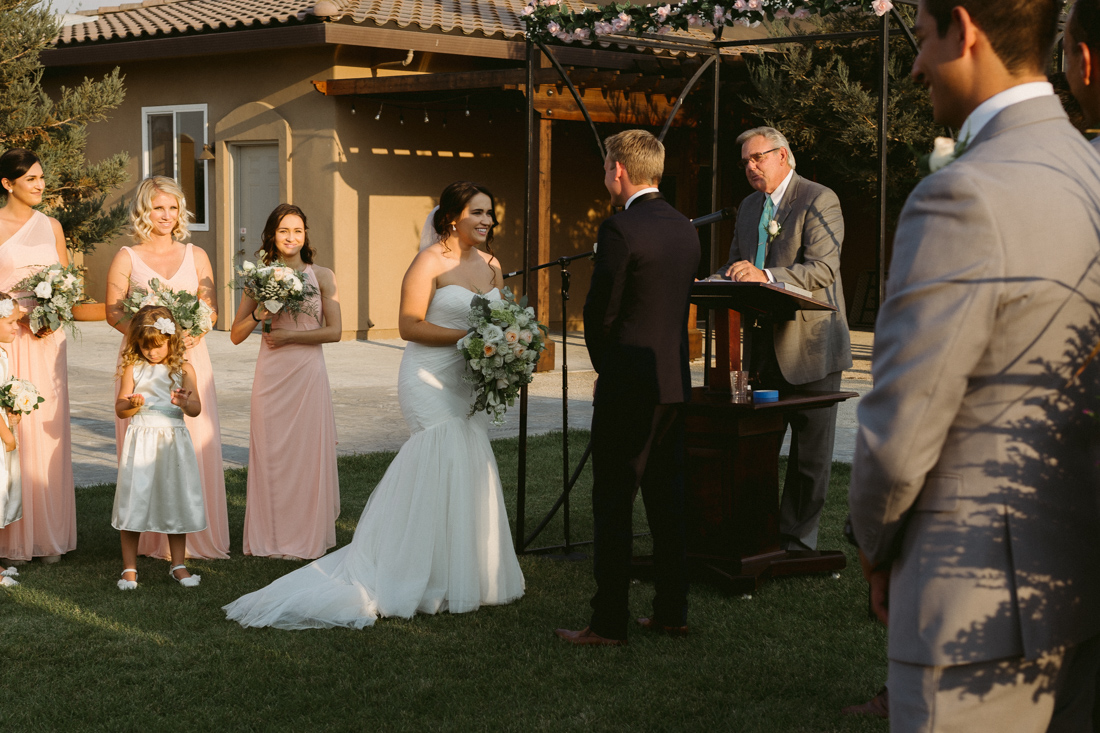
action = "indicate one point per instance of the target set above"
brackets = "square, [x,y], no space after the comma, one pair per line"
[762,239]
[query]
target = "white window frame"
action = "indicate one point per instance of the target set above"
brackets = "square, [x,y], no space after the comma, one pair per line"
[146,163]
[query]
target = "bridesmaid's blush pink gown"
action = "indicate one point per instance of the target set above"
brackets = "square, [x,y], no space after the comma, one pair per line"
[211,543]
[48,526]
[293,487]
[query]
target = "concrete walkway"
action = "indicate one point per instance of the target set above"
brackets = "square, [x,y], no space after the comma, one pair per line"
[363,375]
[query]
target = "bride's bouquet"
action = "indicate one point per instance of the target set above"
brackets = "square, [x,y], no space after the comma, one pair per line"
[189,311]
[19,396]
[278,287]
[501,348]
[54,290]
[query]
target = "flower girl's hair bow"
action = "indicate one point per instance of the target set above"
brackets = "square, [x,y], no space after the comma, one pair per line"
[7,307]
[164,325]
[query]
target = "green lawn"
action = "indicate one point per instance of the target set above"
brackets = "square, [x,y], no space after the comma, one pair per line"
[77,654]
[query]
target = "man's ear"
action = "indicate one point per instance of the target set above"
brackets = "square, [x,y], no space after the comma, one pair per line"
[1086,59]
[966,32]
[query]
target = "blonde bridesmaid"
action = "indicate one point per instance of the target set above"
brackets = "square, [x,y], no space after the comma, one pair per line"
[29,241]
[293,488]
[158,223]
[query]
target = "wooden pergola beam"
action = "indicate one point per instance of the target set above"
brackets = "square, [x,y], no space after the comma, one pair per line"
[444,82]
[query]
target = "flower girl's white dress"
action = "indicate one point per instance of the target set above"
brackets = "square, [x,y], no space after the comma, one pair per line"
[434,535]
[11,497]
[159,487]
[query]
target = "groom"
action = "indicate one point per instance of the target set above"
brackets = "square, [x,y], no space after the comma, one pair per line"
[635,326]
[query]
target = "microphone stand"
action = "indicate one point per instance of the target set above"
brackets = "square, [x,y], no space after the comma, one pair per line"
[567,481]
[730,212]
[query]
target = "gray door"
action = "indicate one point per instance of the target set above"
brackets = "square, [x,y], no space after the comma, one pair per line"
[257,194]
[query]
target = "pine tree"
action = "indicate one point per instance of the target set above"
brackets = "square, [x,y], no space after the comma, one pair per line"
[56,130]
[825,98]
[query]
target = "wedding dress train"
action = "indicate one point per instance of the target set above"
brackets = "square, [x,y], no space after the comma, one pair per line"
[434,535]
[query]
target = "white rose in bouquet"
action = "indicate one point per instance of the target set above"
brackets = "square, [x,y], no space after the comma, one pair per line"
[150,299]
[491,332]
[520,351]
[522,319]
[502,384]
[206,313]
[525,336]
[43,290]
[497,305]
[488,350]
[59,301]
[248,266]
[24,402]
[511,336]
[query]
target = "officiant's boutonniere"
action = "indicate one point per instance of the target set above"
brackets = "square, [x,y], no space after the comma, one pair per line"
[774,228]
[944,151]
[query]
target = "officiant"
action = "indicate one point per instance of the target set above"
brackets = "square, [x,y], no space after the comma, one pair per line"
[790,230]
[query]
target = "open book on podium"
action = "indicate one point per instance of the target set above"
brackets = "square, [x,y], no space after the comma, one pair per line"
[754,301]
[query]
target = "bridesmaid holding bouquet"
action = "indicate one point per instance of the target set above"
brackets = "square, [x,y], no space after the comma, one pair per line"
[29,241]
[158,223]
[293,487]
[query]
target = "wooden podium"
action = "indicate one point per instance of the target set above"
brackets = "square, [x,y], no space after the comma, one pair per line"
[732,481]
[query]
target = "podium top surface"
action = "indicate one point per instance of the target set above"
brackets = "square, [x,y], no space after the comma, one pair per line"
[769,299]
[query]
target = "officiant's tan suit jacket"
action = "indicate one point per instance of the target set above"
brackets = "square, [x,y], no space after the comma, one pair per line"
[975,469]
[805,253]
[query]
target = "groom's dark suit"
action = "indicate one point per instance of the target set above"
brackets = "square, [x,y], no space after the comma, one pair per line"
[635,327]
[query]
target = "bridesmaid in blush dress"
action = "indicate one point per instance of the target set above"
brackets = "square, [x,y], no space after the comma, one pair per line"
[29,241]
[293,487]
[158,220]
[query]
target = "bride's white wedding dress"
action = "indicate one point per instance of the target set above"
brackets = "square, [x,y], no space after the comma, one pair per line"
[434,535]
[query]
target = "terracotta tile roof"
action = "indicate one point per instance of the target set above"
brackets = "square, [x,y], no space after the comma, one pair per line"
[152,18]
[160,18]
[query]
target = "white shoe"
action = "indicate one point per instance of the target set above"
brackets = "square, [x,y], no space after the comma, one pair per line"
[6,581]
[124,584]
[188,582]
[10,572]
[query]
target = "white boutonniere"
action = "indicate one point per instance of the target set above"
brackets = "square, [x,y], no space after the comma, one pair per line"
[774,228]
[944,151]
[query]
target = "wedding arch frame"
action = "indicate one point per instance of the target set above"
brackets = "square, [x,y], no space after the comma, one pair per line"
[712,51]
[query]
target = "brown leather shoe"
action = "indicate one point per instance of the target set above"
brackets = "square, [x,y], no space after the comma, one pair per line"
[587,637]
[878,706]
[650,625]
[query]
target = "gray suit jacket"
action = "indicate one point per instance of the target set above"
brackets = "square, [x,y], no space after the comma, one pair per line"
[975,469]
[805,253]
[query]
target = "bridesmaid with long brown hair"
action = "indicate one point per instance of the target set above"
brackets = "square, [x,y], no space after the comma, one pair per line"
[158,223]
[29,241]
[293,487]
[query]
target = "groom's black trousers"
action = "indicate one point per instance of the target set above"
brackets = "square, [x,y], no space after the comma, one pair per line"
[637,444]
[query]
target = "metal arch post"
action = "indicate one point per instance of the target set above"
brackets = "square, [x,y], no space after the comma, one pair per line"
[883,139]
[572,90]
[521,481]
[683,96]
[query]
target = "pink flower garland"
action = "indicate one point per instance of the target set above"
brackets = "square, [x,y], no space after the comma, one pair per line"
[547,19]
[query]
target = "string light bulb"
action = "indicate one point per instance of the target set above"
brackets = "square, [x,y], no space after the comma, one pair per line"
[401,118]
[379,115]
[425,117]
[353,108]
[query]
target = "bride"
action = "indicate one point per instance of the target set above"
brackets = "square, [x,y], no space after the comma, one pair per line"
[434,535]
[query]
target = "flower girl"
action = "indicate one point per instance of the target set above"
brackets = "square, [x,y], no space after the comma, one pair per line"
[11,500]
[159,488]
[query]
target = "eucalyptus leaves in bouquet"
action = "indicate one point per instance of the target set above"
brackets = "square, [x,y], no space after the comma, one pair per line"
[49,296]
[193,314]
[278,287]
[501,348]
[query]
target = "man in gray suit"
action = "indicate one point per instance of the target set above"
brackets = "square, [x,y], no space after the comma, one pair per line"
[811,351]
[1082,43]
[974,488]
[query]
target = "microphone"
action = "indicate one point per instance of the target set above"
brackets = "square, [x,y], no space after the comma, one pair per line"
[730,212]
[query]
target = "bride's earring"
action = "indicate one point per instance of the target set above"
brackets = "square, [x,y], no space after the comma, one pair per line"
[453,227]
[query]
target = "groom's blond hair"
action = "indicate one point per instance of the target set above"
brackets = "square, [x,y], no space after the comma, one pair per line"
[640,153]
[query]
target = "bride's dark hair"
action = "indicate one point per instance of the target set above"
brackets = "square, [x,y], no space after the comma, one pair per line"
[452,202]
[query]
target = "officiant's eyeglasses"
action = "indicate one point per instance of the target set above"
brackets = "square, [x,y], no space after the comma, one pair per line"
[757,157]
